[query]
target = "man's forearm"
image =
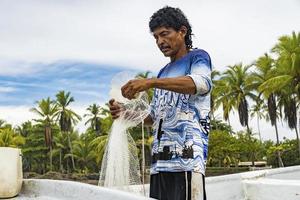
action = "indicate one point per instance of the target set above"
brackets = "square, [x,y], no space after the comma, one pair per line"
[182,84]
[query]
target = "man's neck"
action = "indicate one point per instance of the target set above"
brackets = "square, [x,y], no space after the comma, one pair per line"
[182,52]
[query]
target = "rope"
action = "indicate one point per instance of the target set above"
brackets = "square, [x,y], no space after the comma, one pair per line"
[143,157]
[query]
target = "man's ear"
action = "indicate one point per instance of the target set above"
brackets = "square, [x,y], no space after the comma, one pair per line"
[183,30]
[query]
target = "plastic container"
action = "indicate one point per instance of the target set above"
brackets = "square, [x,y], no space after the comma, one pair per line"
[11,174]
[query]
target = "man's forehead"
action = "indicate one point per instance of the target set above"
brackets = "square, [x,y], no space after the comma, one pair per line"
[160,29]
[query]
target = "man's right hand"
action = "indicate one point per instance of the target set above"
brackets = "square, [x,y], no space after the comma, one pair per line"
[115,108]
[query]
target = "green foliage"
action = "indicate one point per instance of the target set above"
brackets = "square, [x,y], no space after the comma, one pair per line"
[8,138]
[288,150]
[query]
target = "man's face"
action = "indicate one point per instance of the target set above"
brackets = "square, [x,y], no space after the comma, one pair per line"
[168,40]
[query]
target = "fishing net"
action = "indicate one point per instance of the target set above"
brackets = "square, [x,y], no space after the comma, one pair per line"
[120,164]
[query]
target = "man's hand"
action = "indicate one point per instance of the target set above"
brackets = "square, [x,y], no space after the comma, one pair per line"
[130,89]
[115,108]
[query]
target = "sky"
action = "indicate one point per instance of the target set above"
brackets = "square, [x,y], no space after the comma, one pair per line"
[78,46]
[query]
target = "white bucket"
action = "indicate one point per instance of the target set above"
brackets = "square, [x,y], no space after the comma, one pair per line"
[11,174]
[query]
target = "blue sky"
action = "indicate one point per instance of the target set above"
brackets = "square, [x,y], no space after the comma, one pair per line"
[88,83]
[78,46]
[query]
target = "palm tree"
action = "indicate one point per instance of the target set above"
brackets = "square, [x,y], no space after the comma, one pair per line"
[258,110]
[219,94]
[94,120]
[84,152]
[214,75]
[287,65]
[24,129]
[66,117]
[266,70]
[46,109]
[286,76]
[62,149]
[61,144]
[288,62]
[99,144]
[288,103]
[239,88]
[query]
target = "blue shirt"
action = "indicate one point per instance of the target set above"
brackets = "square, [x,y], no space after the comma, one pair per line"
[181,121]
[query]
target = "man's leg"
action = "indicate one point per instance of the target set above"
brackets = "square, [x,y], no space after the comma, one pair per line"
[198,186]
[155,191]
[171,186]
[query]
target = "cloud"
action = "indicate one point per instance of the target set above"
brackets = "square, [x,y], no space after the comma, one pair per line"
[87,82]
[6,89]
[105,33]
[11,67]
[16,115]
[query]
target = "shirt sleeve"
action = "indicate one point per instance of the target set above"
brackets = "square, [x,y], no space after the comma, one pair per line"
[201,74]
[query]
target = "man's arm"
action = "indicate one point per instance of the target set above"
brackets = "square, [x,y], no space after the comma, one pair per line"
[182,84]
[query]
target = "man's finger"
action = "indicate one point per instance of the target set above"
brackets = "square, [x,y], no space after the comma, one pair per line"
[114,107]
[111,101]
[114,112]
[116,116]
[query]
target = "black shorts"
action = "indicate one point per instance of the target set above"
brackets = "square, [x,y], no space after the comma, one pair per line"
[177,186]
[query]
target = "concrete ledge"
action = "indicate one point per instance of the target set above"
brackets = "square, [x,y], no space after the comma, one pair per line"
[270,184]
[35,188]
[244,185]
[272,189]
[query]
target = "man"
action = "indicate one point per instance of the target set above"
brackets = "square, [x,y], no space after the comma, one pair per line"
[179,110]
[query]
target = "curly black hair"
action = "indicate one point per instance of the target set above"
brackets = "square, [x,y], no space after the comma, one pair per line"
[172,18]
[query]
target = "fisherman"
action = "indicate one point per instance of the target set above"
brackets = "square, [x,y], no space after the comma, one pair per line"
[179,109]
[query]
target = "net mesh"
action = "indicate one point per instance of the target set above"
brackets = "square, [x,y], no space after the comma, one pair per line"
[120,164]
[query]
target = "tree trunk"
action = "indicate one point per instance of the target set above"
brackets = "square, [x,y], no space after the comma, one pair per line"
[214,119]
[297,136]
[68,166]
[50,147]
[248,131]
[280,163]
[229,121]
[71,150]
[60,162]
[231,132]
[258,127]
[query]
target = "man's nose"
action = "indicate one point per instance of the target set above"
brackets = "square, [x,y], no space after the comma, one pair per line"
[159,41]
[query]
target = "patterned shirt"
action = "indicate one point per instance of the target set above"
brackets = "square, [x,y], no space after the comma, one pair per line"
[181,121]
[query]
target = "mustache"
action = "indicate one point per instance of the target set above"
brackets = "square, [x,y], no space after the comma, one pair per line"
[162,47]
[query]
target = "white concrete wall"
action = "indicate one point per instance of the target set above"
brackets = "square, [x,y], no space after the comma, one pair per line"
[67,190]
[287,173]
[224,187]
[272,189]
[273,184]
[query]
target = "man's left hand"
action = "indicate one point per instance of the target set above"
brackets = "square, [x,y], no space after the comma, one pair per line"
[132,87]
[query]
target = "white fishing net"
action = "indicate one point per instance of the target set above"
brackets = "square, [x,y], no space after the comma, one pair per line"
[120,166]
